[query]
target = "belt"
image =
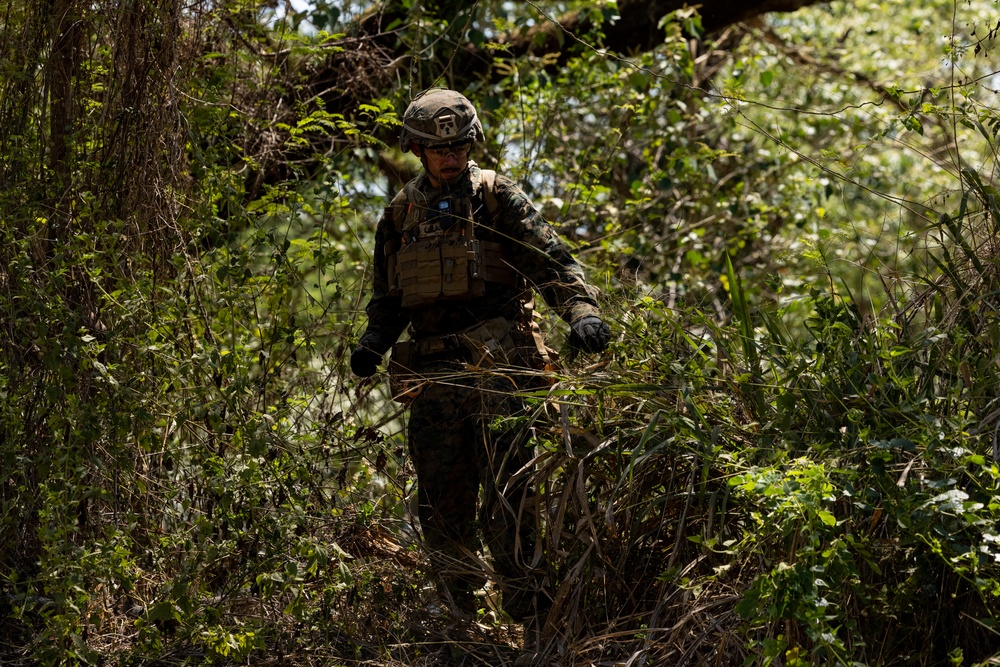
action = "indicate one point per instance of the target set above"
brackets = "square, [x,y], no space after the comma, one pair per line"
[436,344]
[483,337]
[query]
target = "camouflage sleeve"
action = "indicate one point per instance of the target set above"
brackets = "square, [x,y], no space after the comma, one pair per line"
[541,256]
[386,316]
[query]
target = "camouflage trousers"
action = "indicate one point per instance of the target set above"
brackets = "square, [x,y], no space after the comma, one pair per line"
[468,434]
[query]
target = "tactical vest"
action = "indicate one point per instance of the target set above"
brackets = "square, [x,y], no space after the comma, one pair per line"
[438,256]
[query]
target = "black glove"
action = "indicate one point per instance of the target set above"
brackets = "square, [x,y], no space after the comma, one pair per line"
[365,361]
[590,334]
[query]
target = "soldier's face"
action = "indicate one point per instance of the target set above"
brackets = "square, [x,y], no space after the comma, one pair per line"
[444,165]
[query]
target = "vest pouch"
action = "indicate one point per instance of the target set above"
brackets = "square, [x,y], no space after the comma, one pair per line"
[429,272]
[495,262]
[455,281]
[406,274]
[419,266]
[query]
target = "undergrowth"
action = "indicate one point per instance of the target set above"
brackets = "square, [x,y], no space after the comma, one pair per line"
[830,500]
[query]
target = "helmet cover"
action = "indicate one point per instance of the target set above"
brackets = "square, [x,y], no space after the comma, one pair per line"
[439,117]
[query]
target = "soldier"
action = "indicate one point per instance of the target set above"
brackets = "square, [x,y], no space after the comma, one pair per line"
[458,254]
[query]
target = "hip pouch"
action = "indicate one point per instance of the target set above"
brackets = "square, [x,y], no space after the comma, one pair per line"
[489,342]
[405,384]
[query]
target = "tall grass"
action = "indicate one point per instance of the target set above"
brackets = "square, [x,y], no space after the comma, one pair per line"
[760,499]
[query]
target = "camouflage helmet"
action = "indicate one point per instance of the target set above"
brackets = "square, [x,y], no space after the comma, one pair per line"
[439,116]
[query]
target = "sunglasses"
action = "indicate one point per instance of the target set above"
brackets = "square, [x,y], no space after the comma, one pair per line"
[441,152]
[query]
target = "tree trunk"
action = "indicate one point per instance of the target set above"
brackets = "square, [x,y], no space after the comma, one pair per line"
[64,60]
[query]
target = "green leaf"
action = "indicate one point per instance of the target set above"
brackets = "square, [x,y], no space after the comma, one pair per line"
[163,611]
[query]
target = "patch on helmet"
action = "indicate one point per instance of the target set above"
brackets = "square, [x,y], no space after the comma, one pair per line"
[447,126]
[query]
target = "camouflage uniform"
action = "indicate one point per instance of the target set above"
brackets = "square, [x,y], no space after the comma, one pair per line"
[537,253]
[455,438]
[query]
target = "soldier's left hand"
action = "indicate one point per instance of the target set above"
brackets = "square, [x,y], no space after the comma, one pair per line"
[590,334]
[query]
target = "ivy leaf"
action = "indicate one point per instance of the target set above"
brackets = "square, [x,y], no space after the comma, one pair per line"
[827,517]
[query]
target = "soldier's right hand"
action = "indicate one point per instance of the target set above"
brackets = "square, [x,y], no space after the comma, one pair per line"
[590,334]
[364,361]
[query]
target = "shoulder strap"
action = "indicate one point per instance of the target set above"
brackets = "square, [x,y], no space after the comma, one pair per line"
[486,193]
[488,182]
[402,205]
[396,210]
